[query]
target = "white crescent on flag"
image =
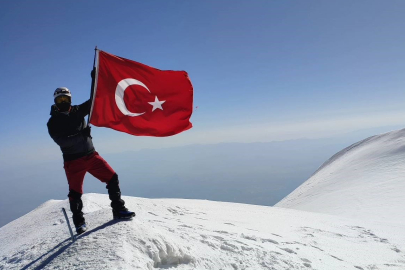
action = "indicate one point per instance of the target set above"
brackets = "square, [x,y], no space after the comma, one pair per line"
[119,95]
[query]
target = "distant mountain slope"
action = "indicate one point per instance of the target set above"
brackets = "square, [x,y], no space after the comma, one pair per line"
[365,180]
[194,234]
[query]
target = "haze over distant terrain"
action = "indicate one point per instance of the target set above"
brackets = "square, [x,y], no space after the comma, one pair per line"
[255,173]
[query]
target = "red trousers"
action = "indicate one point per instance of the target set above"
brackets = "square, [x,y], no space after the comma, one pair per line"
[94,164]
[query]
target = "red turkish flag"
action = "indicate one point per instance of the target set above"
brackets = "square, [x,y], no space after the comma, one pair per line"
[140,100]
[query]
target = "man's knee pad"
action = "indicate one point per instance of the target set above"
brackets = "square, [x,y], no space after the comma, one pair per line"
[76,204]
[74,195]
[114,183]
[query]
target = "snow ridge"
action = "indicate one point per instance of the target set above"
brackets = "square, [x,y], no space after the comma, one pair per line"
[342,153]
[365,180]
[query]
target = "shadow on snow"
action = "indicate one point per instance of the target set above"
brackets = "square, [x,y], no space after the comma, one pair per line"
[62,246]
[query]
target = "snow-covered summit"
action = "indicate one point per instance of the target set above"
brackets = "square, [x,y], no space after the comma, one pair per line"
[365,180]
[194,234]
[356,199]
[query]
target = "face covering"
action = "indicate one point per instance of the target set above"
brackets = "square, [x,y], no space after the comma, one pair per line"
[63,107]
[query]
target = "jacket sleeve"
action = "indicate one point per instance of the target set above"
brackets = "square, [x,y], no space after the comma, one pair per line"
[84,108]
[63,140]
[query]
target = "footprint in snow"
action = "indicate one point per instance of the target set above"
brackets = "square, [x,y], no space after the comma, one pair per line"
[210,244]
[185,226]
[339,259]
[229,224]
[396,250]
[173,211]
[229,247]
[317,248]
[219,238]
[270,241]
[289,250]
[222,232]
[249,237]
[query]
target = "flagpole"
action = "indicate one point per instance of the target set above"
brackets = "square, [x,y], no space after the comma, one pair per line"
[93,73]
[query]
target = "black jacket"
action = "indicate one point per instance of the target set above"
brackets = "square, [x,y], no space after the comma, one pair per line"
[66,131]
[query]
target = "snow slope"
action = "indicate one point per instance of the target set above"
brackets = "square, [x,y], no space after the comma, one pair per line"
[366,181]
[194,234]
[356,222]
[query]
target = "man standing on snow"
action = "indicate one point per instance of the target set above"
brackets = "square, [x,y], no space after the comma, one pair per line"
[69,130]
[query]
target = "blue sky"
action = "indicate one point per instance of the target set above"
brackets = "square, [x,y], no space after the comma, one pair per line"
[261,70]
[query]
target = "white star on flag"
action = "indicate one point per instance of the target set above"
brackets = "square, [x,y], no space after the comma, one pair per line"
[157,104]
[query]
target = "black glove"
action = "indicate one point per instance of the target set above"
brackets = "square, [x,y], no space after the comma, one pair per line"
[86,131]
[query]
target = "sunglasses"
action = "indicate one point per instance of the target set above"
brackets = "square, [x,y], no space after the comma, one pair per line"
[62,99]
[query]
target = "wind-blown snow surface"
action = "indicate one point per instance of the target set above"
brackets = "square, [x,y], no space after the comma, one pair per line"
[362,186]
[194,234]
[366,180]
